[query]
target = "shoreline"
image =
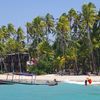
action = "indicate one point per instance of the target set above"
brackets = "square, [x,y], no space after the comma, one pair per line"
[74,79]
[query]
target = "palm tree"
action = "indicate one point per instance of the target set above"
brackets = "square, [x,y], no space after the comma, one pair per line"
[95,37]
[89,17]
[11,47]
[11,31]
[29,31]
[3,38]
[74,19]
[36,31]
[62,35]
[72,15]
[63,29]
[2,56]
[20,38]
[4,33]
[49,20]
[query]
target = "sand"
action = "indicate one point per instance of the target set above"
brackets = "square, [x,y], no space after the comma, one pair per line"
[50,77]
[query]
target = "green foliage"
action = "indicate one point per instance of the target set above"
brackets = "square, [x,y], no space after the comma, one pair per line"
[35,70]
[76,42]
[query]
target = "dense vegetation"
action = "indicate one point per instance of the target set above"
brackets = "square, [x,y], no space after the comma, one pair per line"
[74,47]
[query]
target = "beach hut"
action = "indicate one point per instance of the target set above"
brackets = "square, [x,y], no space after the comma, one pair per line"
[16,62]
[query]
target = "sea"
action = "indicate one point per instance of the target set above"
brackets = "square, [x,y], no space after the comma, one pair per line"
[62,91]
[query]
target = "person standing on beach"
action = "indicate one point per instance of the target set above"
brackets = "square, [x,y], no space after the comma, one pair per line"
[88,80]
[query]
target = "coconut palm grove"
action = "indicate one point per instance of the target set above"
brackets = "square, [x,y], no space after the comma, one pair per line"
[69,44]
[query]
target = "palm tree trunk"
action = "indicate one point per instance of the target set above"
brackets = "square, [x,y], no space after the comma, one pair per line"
[12,63]
[76,67]
[5,67]
[91,49]
[98,62]
[1,66]
[19,63]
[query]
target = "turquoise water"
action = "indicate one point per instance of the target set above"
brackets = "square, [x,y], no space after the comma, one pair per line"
[63,91]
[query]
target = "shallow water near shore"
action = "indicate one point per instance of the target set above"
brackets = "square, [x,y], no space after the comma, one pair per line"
[63,91]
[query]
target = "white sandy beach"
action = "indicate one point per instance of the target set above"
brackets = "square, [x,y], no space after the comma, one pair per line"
[50,77]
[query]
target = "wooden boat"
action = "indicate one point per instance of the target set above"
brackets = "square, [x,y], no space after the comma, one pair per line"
[5,82]
[52,83]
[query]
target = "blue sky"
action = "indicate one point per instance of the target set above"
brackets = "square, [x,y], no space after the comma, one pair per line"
[19,12]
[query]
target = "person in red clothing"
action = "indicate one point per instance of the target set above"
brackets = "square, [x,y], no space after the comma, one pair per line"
[89,80]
